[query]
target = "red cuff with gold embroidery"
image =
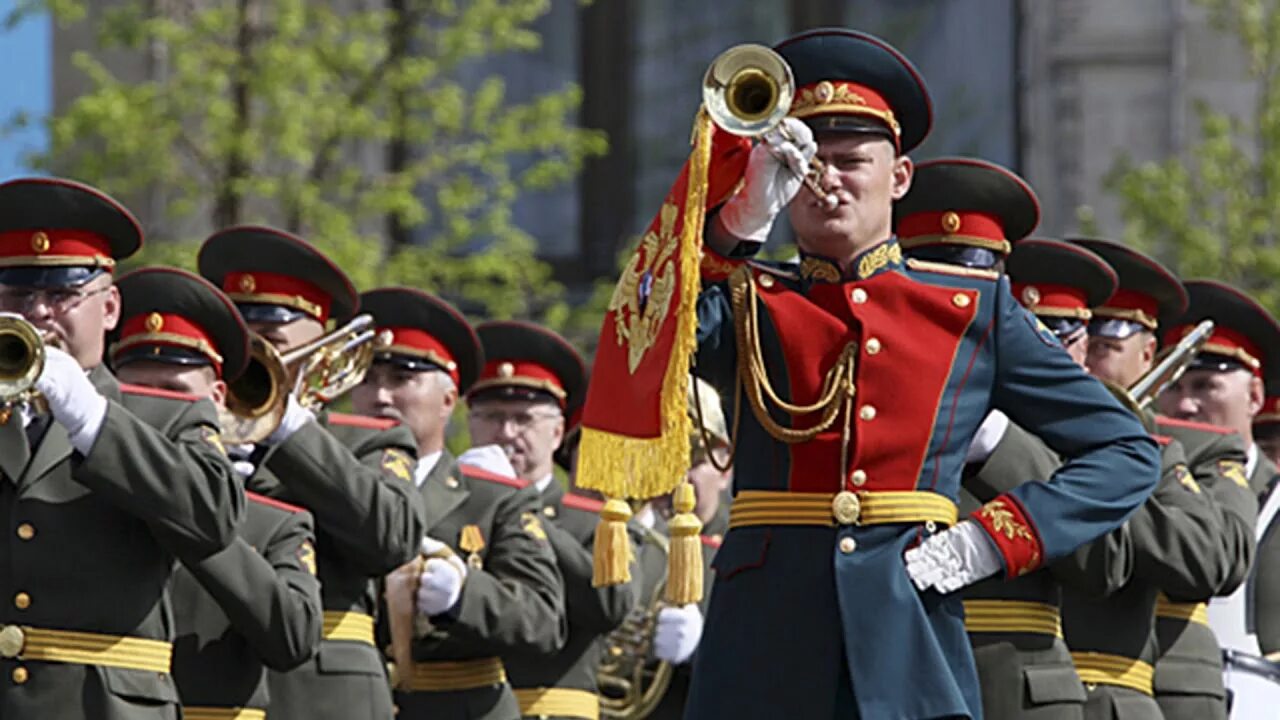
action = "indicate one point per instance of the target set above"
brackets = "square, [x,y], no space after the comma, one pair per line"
[1013,533]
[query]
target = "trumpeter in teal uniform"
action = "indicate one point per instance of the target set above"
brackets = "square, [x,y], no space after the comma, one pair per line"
[864,376]
[1122,346]
[353,474]
[255,604]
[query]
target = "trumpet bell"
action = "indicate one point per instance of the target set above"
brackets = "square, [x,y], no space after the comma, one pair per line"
[255,401]
[21,357]
[747,90]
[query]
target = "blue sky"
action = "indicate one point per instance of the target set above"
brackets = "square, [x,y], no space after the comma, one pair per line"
[25,84]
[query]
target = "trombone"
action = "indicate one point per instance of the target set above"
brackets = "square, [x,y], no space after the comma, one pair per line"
[315,373]
[747,91]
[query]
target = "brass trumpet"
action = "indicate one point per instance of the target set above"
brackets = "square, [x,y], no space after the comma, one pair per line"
[747,91]
[21,359]
[315,373]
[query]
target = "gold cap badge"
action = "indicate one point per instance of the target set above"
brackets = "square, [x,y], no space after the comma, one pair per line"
[40,242]
[155,322]
[248,284]
[950,222]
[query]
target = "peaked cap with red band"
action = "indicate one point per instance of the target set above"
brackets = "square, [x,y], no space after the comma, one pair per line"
[1245,335]
[60,232]
[526,361]
[173,316]
[964,201]
[1057,279]
[1148,291]
[425,333]
[264,266]
[847,81]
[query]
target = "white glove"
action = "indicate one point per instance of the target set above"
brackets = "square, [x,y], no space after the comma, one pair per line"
[773,177]
[75,403]
[678,633]
[488,457]
[989,434]
[295,416]
[953,558]
[440,585]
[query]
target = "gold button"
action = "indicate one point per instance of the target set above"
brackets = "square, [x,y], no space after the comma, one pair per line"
[766,281]
[846,507]
[859,296]
[873,346]
[12,638]
[26,531]
[868,412]
[859,477]
[960,300]
[451,482]
[549,511]
[931,527]
[848,545]
[22,601]
[20,675]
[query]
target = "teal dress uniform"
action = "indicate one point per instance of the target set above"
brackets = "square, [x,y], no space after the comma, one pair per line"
[1015,627]
[527,362]
[90,540]
[256,603]
[354,475]
[512,600]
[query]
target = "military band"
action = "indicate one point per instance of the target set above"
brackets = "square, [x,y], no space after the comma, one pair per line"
[916,473]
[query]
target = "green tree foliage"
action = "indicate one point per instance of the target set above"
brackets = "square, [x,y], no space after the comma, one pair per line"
[1215,211]
[348,123]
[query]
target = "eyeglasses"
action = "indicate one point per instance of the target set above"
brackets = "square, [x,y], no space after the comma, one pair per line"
[59,300]
[522,420]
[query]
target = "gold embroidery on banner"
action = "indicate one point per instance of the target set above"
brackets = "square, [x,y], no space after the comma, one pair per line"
[643,295]
[881,257]
[817,269]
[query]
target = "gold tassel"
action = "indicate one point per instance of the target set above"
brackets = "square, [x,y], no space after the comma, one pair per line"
[612,551]
[684,559]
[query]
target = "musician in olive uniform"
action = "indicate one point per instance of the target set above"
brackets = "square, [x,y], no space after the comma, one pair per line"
[531,382]
[255,604]
[498,591]
[1168,545]
[1224,387]
[103,490]
[1015,626]
[1266,424]
[1122,346]
[354,475]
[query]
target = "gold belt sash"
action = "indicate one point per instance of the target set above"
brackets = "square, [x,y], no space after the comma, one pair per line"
[85,648]
[1103,669]
[216,713]
[1012,616]
[872,507]
[558,702]
[348,625]
[1190,612]
[447,675]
